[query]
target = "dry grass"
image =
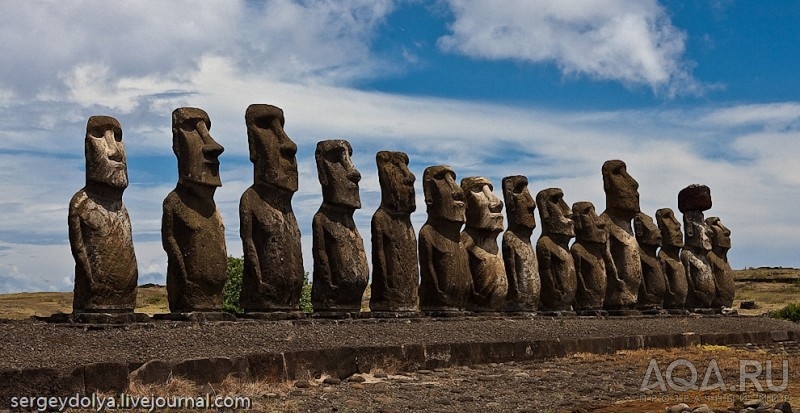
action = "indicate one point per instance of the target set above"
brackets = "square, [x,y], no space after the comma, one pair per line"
[19,306]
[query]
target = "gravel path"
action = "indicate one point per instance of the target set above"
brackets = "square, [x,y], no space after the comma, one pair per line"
[26,344]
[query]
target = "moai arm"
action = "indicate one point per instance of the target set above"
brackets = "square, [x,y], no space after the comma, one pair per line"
[426,256]
[378,254]
[322,265]
[513,267]
[611,268]
[174,254]
[246,223]
[547,270]
[76,241]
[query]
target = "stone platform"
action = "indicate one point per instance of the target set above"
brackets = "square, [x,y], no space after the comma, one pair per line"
[38,358]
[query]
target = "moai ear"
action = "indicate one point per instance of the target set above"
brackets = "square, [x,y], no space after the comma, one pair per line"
[688,227]
[638,226]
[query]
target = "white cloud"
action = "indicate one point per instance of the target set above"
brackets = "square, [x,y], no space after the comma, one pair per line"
[774,115]
[630,41]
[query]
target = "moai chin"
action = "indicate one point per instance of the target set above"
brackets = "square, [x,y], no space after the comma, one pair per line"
[484,213]
[622,204]
[273,274]
[669,257]
[556,266]
[99,226]
[341,271]
[692,201]
[590,253]
[653,288]
[192,232]
[395,268]
[519,257]
[445,280]
[718,259]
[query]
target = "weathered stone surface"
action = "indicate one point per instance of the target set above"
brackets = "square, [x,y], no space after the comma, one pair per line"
[669,257]
[590,253]
[152,372]
[99,226]
[692,201]
[653,288]
[273,274]
[106,377]
[556,266]
[622,204]
[519,257]
[210,370]
[341,271]
[192,232]
[484,213]
[445,280]
[395,262]
[694,198]
[718,259]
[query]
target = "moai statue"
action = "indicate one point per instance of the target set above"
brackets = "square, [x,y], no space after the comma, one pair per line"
[556,266]
[273,275]
[445,280]
[653,288]
[718,259]
[522,268]
[590,253]
[692,201]
[484,223]
[341,272]
[395,264]
[622,204]
[192,232]
[99,227]
[669,256]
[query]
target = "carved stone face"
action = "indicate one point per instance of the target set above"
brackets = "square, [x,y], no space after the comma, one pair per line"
[697,233]
[271,150]
[622,191]
[520,205]
[720,234]
[554,212]
[443,196]
[484,209]
[105,153]
[670,228]
[647,233]
[397,182]
[197,152]
[588,226]
[337,174]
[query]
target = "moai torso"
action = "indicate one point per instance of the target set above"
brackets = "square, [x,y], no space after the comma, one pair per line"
[273,274]
[692,201]
[590,253]
[395,265]
[192,232]
[556,266]
[445,281]
[99,226]
[479,237]
[519,257]
[670,260]
[654,283]
[341,272]
[718,259]
[622,203]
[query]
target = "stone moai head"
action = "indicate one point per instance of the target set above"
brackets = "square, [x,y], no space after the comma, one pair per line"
[670,227]
[692,201]
[337,174]
[622,191]
[484,209]
[646,231]
[720,234]
[197,152]
[520,205]
[397,183]
[106,163]
[554,213]
[443,197]
[271,150]
[588,226]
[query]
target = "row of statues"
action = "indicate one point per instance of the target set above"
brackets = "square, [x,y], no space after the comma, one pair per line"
[456,266]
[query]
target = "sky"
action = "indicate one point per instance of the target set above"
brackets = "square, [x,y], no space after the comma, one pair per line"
[683,92]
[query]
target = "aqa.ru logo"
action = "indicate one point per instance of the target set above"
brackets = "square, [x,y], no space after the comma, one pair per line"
[682,375]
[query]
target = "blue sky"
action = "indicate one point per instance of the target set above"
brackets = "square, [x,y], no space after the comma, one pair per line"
[683,92]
